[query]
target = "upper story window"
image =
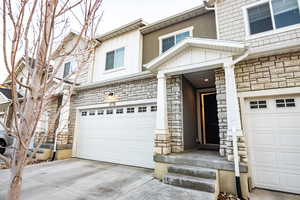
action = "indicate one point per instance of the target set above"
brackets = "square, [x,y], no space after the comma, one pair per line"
[272,14]
[69,68]
[170,40]
[115,59]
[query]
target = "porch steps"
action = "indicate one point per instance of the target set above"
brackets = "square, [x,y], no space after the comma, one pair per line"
[193,171]
[193,177]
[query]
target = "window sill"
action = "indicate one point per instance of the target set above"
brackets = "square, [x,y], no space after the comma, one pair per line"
[114,70]
[272,32]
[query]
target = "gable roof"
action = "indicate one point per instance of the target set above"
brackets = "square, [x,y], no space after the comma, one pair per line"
[136,24]
[174,19]
[222,45]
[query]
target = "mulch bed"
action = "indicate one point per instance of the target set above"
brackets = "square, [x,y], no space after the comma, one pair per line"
[227,196]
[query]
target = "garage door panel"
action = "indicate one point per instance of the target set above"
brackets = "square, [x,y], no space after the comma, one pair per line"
[264,158]
[274,143]
[124,138]
[289,139]
[289,160]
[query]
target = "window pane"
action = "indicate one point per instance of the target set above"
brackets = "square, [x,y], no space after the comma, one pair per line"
[286,12]
[260,19]
[119,58]
[181,36]
[168,43]
[109,60]
[67,69]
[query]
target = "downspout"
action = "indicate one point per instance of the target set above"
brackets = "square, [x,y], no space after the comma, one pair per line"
[213,8]
[235,143]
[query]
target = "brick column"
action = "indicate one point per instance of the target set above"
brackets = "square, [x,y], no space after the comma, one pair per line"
[162,135]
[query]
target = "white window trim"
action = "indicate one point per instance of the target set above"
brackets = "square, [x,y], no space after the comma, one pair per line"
[266,33]
[115,69]
[188,29]
[74,62]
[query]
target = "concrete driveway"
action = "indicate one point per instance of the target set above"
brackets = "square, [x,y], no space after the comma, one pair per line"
[76,179]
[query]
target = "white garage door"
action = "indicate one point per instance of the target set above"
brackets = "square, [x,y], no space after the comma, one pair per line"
[123,135]
[273,129]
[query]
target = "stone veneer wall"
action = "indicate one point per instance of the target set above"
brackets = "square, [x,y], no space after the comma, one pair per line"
[136,90]
[175,114]
[271,72]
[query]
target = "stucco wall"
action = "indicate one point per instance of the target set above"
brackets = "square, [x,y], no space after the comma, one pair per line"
[204,27]
[132,42]
[231,24]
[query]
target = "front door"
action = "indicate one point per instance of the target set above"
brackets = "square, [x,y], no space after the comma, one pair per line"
[210,124]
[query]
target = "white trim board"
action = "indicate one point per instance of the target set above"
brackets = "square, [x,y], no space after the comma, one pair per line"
[271,92]
[160,38]
[118,104]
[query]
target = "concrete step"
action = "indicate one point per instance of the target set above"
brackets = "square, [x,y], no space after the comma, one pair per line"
[195,183]
[193,171]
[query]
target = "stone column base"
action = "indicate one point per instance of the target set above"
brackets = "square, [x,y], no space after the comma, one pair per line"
[162,144]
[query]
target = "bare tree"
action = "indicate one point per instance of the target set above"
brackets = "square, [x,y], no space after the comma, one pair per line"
[31,29]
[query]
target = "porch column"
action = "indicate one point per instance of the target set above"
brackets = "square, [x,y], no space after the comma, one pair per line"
[162,136]
[62,130]
[233,111]
[234,129]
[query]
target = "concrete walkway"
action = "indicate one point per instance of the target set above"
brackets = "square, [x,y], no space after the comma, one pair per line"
[259,194]
[76,179]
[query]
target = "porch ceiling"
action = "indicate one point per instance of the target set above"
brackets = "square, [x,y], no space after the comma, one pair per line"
[201,79]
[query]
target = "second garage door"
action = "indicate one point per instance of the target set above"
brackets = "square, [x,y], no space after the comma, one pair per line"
[123,135]
[273,129]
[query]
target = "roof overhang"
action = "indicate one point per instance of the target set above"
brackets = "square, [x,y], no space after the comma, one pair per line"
[185,15]
[235,48]
[134,25]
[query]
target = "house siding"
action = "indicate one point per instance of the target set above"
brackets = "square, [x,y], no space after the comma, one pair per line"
[204,27]
[231,25]
[132,91]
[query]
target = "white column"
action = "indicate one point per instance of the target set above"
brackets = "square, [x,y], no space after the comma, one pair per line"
[162,136]
[63,125]
[162,110]
[233,111]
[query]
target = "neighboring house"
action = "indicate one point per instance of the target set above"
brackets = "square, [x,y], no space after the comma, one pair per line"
[5,100]
[58,130]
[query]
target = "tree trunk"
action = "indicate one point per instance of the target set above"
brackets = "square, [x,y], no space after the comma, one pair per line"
[14,192]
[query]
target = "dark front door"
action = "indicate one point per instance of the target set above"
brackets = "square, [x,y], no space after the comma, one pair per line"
[210,125]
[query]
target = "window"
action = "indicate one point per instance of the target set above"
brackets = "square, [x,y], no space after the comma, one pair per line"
[258,104]
[273,14]
[84,113]
[153,108]
[21,80]
[143,109]
[69,68]
[100,112]
[109,111]
[92,112]
[130,110]
[172,39]
[115,59]
[120,111]
[281,103]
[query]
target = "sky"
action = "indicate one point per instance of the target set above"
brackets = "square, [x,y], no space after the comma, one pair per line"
[120,12]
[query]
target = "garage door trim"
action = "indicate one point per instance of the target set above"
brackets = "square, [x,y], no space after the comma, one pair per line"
[102,105]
